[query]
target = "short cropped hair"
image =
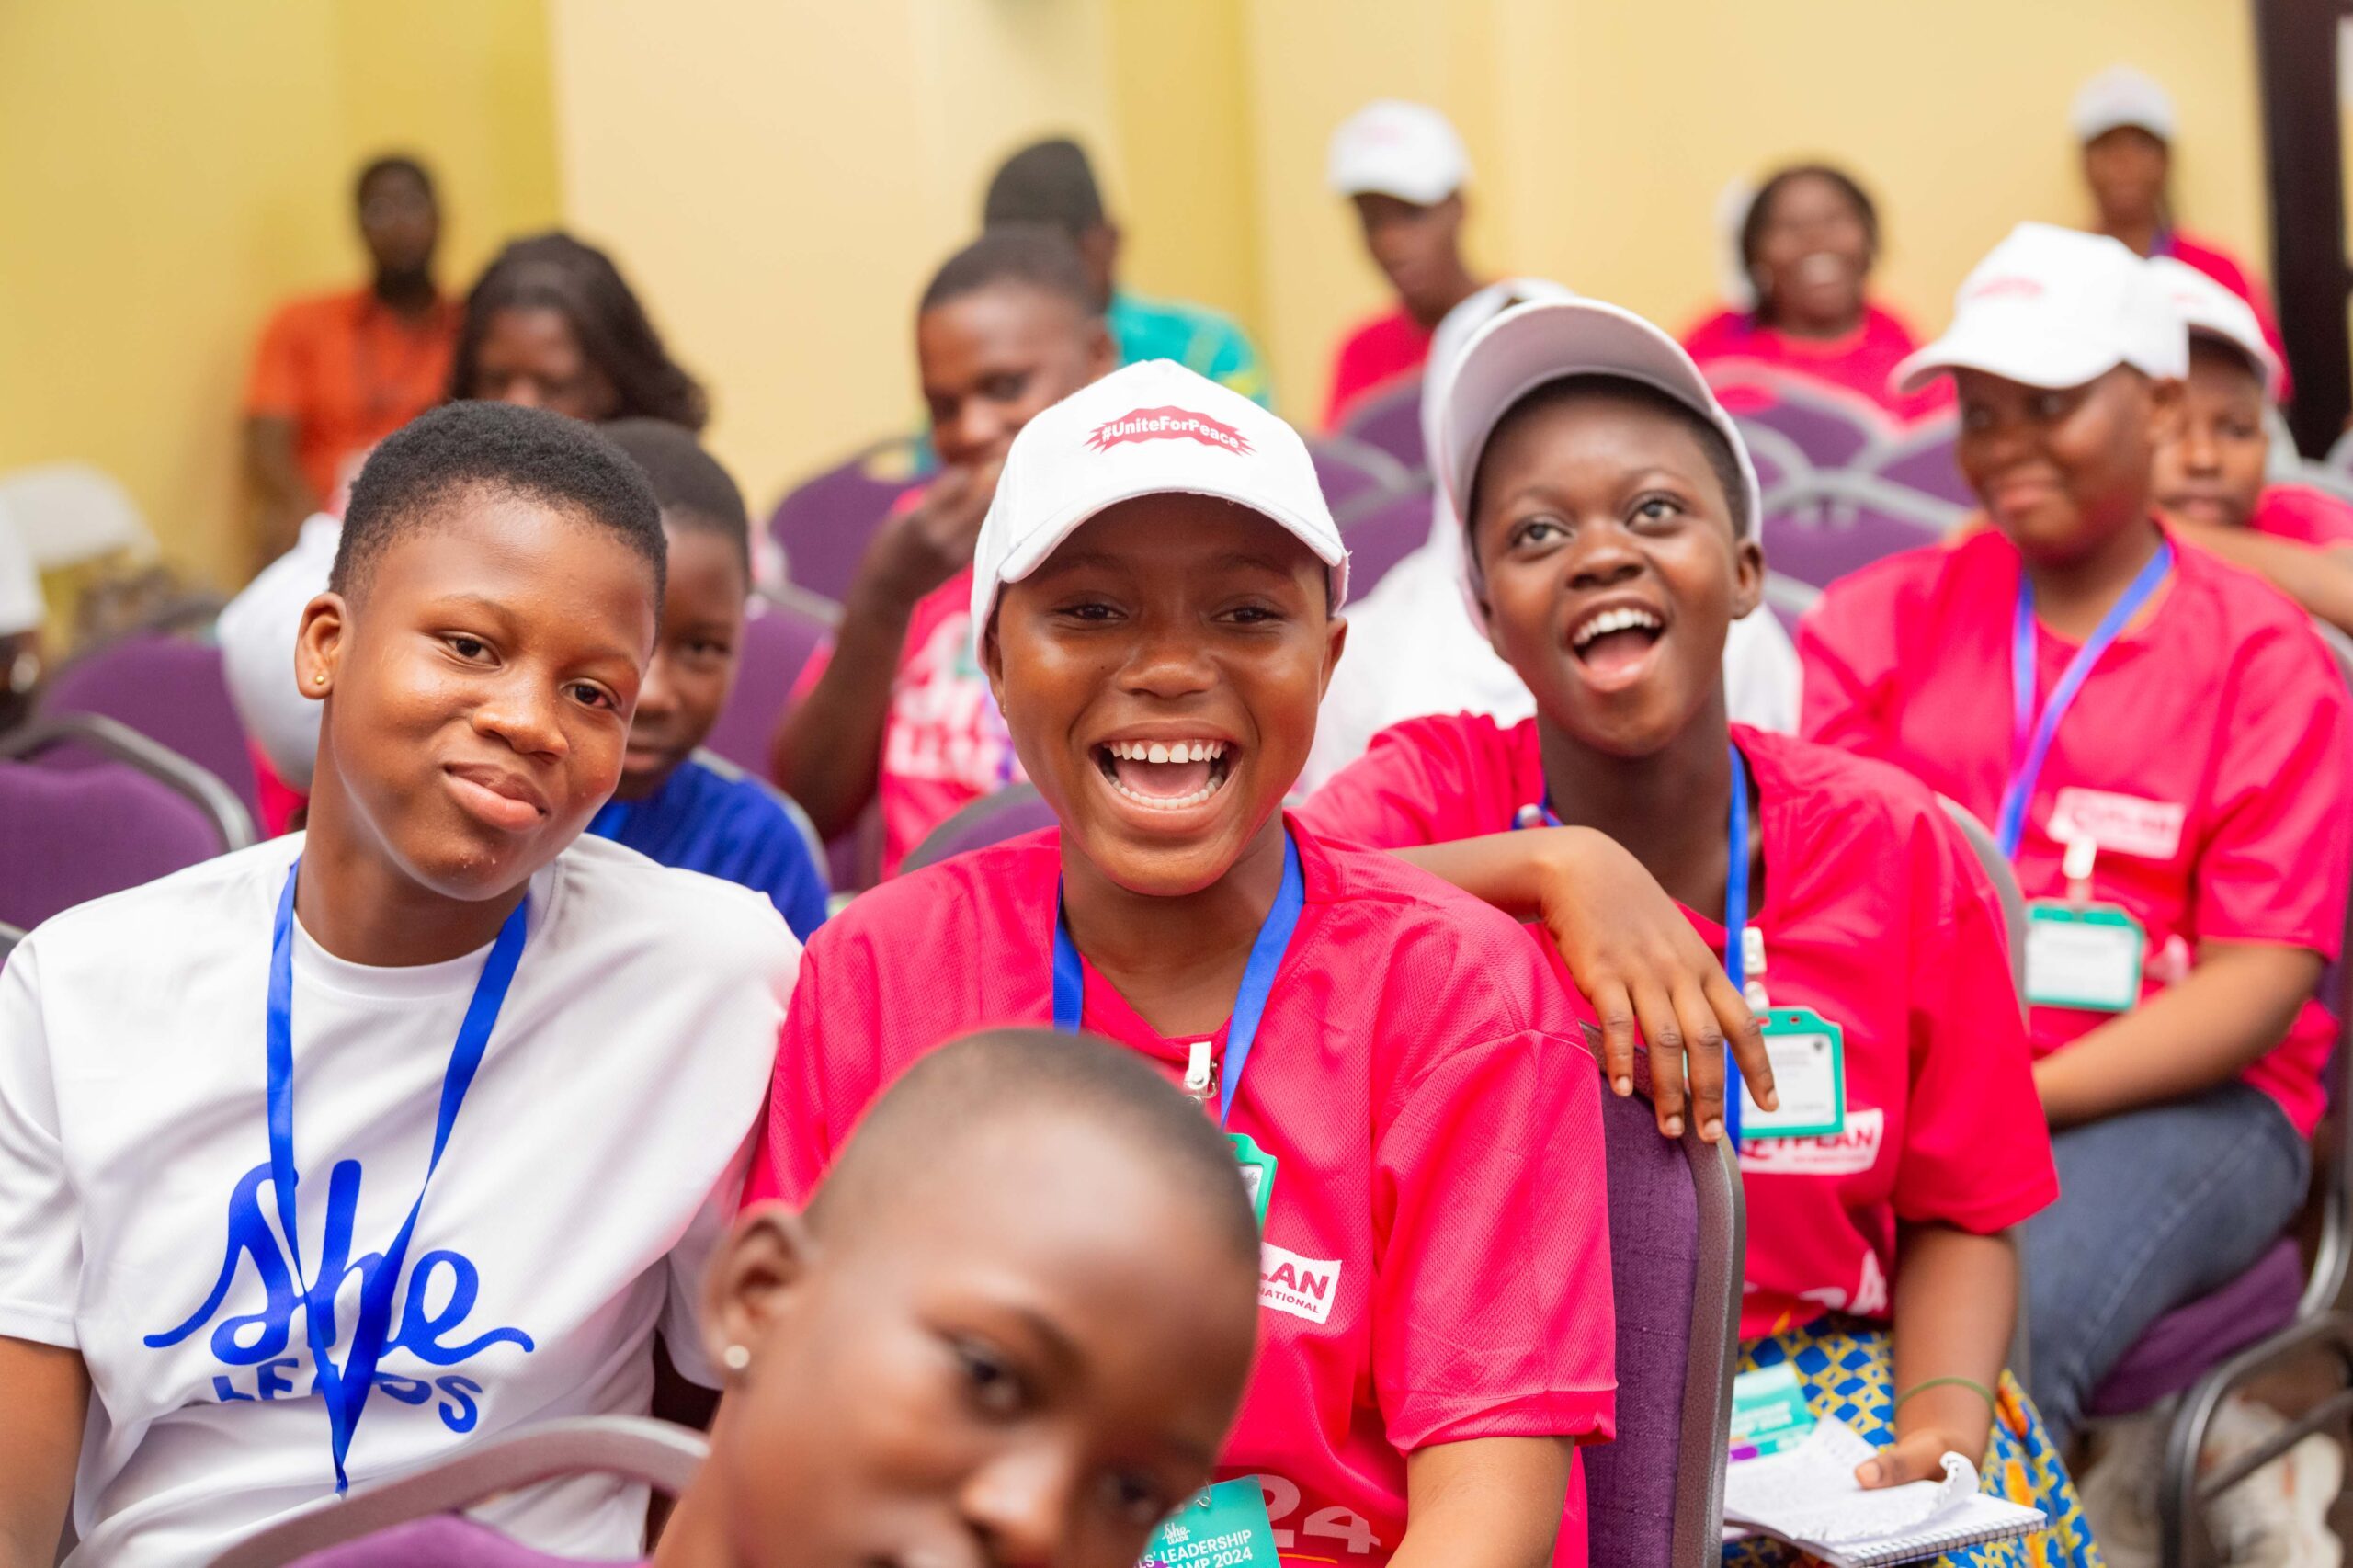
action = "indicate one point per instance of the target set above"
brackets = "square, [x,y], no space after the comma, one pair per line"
[391,163]
[1712,440]
[462,448]
[977,1085]
[692,489]
[1047,182]
[1029,255]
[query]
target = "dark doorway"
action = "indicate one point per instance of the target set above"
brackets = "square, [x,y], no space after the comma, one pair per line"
[2297,45]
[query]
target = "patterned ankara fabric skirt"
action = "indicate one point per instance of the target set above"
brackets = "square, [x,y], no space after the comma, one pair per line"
[1845,1365]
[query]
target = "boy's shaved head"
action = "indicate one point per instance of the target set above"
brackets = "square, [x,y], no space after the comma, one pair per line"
[472,449]
[931,1123]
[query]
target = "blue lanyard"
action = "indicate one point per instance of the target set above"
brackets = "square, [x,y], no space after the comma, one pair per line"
[1735,910]
[346,1390]
[2030,736]
[1249,1002]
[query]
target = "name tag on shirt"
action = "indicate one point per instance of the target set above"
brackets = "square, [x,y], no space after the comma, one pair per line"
[1808,1056]
[2082,955]
[2120,824]
[1224,1527]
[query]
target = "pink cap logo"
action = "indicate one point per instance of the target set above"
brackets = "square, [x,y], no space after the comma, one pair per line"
[2020,287]
[1167,424]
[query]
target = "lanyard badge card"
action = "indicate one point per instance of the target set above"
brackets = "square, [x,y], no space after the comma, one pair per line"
[1225,1525]
[1809,1057]
[2079,953]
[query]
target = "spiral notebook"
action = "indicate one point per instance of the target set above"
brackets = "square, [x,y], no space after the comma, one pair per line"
[1807,1496]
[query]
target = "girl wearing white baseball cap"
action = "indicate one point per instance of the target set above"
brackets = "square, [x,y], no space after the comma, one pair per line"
[2158,740]
[1402,1076]
[2213,476]
[1610,510]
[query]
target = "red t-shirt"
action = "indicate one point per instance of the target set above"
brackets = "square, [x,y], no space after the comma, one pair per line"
[1860,361]
[944,745]
[1877,916]
[1374,356]
[1435,1264]
[2224,268]
[2204,755]
[2299,512]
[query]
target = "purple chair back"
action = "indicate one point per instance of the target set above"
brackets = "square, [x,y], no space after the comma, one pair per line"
[1922,458]
[67,836]
[173,691]
[823,523]
[1655,1494]
[778,638]
[1818,529]
[1391,421]
[1831,425]
[1381,530]
[1013,811]
[1347,470]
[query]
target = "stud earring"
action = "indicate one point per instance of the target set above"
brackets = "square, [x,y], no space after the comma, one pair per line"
[319,678]
[736,1358]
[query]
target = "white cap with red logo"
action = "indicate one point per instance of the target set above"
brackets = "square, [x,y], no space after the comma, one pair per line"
[2052,307]
[1393,148]
[2120,96]
[2210,310]
[1154,428]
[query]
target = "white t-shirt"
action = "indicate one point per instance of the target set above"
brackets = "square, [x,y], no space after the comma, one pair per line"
[591,1171]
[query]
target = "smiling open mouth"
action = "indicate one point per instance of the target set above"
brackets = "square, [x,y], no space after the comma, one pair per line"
[1616,639]
[1164,774]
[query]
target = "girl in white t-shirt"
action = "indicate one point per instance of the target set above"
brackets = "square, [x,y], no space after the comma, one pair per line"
[319,1159]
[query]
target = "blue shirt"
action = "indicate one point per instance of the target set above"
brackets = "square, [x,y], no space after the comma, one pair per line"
[1200,340]
[701,819]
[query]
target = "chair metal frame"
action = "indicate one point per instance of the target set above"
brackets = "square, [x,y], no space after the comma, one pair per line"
[2319,1323]
[655,1453]
[1764,441]
[1838,492]
[9,936]
[119,742]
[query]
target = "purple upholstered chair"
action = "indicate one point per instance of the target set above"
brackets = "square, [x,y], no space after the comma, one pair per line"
[1380,529]
[658,1454]
[1347,470]
[1391,421]
[1922,458]
[2279,1310]
[170,689]
[1820,526]
[1655,1493]
[126,813]
[1011,812]
[1829,425]
[823,523]
[779,637]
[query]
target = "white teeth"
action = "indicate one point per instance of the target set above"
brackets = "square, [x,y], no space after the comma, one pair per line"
[1171,802]
[1166,751]
[1624,619]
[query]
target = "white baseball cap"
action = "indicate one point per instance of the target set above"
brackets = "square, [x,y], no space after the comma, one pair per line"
[1530,344]
[2118,96]
[22,608]
[2210,310]
[1393,148]
[1154,428]
[2052,307]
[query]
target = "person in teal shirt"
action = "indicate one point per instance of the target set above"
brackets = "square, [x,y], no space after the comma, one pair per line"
[1052,183]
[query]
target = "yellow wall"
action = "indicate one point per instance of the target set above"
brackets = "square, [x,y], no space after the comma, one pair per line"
[1603,133]
[173,168]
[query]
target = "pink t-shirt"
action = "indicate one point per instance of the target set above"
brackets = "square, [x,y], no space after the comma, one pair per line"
[944,745]
[2306,516]
[2224,268]
[1435,1264]
[2204,755]
[1861,361]
[1374,356]
[1877,916]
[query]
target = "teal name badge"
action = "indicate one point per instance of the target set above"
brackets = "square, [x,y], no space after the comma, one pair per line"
[1769,1413]
[2082,955]
[1808,1056]
[1257,1173]
[1224,1527]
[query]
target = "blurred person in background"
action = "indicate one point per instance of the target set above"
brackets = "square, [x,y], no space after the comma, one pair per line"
[22,610]
[2213,476]
[2125,120]
[551,324]
[338,373]
[1052,183]
[1807,244]
[1403,167]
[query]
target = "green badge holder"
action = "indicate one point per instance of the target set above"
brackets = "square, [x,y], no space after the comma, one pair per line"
[2076,929]
[1257,1173]
[1808,1056]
